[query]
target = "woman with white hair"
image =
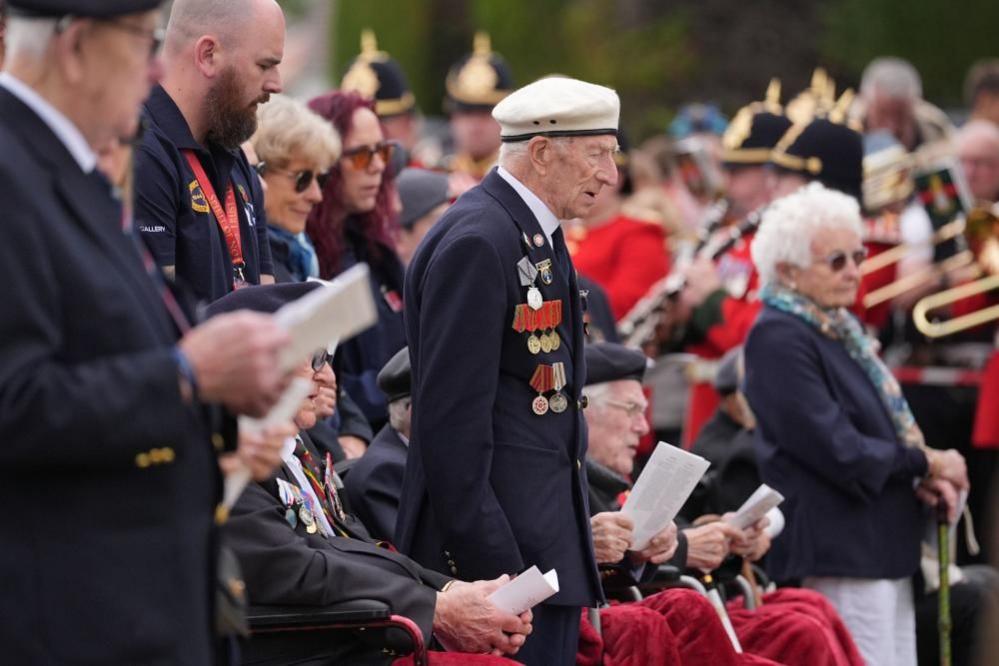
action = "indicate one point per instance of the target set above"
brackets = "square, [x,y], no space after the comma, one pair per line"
[295,149]
[835,435]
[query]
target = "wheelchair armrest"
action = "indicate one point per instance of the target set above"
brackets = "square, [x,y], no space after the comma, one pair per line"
[276,618]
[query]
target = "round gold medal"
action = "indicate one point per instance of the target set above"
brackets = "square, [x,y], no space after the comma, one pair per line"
[533,344]
[559,403]
[556,340]
[546,343]
[540,405]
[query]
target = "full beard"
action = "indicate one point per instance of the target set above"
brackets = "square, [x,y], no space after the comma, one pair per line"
[230,121]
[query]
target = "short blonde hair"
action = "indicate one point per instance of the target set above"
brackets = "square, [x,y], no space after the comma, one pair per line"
[287,130]
[789,225]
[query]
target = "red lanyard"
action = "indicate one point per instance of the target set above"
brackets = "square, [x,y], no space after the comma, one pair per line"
[227,218]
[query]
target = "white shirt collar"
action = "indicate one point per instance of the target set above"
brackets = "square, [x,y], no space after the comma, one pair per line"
[546,218]
[60,125]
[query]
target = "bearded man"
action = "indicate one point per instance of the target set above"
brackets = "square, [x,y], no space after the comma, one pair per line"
[199,205]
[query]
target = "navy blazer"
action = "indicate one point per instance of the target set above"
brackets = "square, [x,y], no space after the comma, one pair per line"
[490,487]
[110,483]
[826,442]
[375,483]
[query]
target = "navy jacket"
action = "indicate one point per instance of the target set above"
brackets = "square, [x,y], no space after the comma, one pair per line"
[492,488]
[110,483]
[825,441]
[173,215]
[375,483]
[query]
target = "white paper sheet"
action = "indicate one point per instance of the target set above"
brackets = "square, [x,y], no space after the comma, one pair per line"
[282,412]
[660,492]
[758,505]
[333,312]
[525,591]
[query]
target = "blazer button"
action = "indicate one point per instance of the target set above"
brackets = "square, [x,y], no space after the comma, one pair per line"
[218,441]
[583,402]
[142,461]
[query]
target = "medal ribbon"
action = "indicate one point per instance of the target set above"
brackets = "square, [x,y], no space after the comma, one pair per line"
[228,217]
[542,379]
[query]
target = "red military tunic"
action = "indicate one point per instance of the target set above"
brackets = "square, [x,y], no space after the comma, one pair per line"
[625,256]
[986,433]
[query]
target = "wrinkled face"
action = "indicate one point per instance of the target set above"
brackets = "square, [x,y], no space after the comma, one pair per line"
[475,133]
[980,161]
[248,78]
[286,203]
[582,167]
[616,423]
[117,70]
[749,187]
[305,418]
[895,115]
[360,184]
[833,277]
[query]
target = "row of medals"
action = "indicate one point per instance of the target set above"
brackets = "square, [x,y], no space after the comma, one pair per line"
[546,341]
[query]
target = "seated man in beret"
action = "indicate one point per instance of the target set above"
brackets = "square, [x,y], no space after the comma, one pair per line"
[796,632]
[375,481]
[297,546]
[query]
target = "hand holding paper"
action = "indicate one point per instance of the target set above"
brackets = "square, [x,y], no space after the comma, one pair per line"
[756,507]
[525,591]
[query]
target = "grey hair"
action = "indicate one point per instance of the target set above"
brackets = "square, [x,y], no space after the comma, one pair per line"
[893,77]
[287,129]
[29,35]
[399,415]
[512,152]
[789,225]
[596,393]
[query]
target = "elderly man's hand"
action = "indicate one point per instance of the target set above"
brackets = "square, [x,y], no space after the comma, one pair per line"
[754,542]
[353,447]
[613,534]
[325,400]
[258,452]
[661,547]
[948,465]
[931,491]
[466,621]
[708,545]
[235,361]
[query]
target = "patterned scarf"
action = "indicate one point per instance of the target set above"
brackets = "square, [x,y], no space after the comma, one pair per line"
[838,324]
[302,261]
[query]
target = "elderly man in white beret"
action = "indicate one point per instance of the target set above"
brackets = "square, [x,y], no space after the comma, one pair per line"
[494,481]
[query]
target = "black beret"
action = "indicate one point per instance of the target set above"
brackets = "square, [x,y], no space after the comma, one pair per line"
[396,379]
[261,298]
[379,77]
[479,80]
[831,153]
[86,8]
[727,374]
[421,191]
[609,362]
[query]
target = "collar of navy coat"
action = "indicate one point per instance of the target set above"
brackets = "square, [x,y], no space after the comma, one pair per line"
[94,207]
[528,225]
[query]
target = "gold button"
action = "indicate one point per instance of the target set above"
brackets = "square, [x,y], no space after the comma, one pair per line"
[218,441]
[155,456]
[168,455]
[221,514]
[142,461]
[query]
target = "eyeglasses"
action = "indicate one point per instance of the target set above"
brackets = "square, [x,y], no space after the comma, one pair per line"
[837,260]
[155,36]
[303,179]
[321,358]
[632,408]
[361,156]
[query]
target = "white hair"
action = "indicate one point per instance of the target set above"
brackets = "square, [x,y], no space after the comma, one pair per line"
[789,225]
[29,36]
[596,393]
[892,77]
[511,152]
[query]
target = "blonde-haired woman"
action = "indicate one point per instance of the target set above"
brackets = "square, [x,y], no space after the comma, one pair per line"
[295,149]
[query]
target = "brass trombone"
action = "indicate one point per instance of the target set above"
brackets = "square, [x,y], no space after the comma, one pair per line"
[988,264]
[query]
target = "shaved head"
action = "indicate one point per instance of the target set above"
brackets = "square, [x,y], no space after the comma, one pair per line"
[226,19]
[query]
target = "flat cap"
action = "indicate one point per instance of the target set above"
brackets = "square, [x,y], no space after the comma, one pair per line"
[261,298]
[558,106]
[395,379]
[420,190]
[86,8]
[610,362]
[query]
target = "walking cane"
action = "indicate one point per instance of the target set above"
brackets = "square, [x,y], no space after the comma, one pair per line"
[943,593]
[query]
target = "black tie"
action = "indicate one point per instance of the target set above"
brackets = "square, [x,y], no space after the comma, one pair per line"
[561,253]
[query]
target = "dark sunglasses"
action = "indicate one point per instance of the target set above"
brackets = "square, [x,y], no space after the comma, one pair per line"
[303,179]
[360,157]
[321,358]
[837,260]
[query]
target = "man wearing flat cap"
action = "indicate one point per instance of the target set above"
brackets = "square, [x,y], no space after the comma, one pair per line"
[376,478]
[495,482]
[109,458]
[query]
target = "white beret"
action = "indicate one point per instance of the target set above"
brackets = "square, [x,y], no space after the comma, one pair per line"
[557,106]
